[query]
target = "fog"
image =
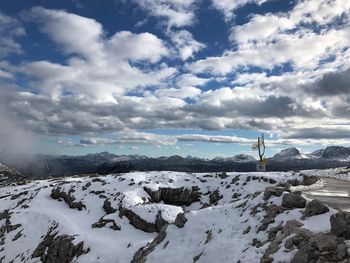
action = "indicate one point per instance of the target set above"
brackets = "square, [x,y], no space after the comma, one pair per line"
[14,137]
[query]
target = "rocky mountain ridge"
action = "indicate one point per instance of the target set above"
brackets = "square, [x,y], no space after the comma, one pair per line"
[104,163]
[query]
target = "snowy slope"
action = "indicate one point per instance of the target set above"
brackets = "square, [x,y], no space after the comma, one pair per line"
[114,218]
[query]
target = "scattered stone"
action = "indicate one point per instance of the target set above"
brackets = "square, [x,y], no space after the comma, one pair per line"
[274,191]
[103,222]
[246,231]
[322,248]
[309,180]
[223,175]
[214,197]
[315,207]
[292,201]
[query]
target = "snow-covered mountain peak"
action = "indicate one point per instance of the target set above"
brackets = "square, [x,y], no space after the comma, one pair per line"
[289,153]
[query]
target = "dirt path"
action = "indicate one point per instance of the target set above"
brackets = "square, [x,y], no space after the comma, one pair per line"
[335,193]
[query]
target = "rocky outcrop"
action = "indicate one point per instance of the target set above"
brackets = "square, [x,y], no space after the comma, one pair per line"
[58,249]
[292,201]
[340,224]
[175,196]
[271,212]
[142,224]
[141,255]
[315,207]
[57,193]
[107,206]
[322,248]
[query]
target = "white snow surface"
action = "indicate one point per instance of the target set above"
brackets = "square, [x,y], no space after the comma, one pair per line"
[213,233]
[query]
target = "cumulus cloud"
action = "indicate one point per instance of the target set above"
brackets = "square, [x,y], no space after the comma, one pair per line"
[10,30]
[228,7]
[185,44]
[303,38]
[175,13]
[120,82]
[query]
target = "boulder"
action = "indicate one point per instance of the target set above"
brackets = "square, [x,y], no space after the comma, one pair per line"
[180,220]
[340,224]
[315,207]
[309,180]
[292,201]
[274,191]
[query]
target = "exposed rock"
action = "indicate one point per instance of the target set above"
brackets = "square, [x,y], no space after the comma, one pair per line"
[271,212]
[322,248]
[293,201]
[57,193]
[340,224]
[58,249]
[175,196]
[141,254]
[246,231]
[18,195]
[315,207]
[196,258]
[214,197]
[137,221]
[274,191]
[107,206]
[223,175]
[309,180]
[294,182]
[209,236]
[180,220]
[160,222]
[103,222]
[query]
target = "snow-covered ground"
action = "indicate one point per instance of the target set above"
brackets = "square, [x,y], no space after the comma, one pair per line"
[116,215]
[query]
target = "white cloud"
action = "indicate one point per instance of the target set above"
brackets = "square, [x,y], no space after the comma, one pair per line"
[136,47]
[228,7]
[186,80]
[185,44]
[304,40]
[176,13]
[98,67]
[10,30]
[73,33]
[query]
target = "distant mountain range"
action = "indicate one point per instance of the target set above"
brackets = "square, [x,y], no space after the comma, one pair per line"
[103,163]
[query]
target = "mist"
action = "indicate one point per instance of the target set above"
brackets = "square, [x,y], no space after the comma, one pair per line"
[15,139]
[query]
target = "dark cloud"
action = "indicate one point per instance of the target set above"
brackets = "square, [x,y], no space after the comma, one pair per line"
[340,132]
[331,84]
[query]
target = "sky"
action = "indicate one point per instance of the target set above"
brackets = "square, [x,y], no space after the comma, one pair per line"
[164,77]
